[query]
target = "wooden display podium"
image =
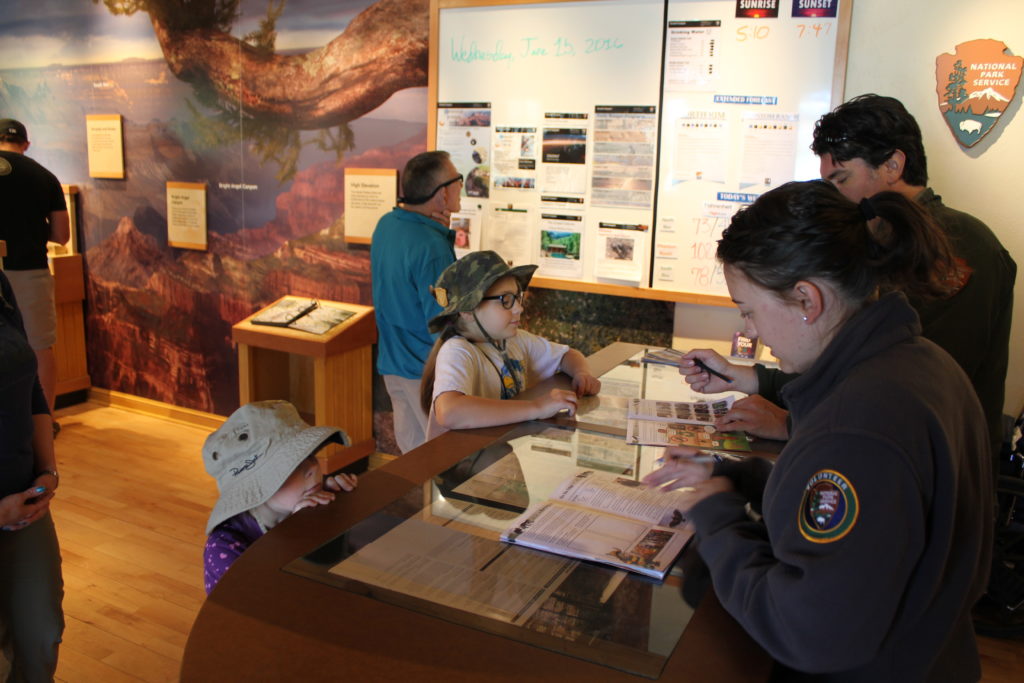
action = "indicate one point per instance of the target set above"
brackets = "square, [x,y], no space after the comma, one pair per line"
[69,351]
[69,293]
[328,377]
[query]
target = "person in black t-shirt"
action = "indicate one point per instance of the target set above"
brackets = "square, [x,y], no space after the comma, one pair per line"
[34,212]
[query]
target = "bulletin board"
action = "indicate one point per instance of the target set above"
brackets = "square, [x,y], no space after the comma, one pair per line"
[610,141]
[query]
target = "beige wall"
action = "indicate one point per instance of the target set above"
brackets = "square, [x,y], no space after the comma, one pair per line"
[893,46]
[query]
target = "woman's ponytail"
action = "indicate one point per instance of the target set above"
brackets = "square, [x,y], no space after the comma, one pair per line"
[804,230]
[908,250]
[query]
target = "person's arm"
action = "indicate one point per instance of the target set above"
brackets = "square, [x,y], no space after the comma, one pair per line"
[36,502]
[60,227]
[17,508]
[700,380]
[42,446]
[575,365]
[770,382]
[758,416]
[771,579]
[682,468]
[455,410]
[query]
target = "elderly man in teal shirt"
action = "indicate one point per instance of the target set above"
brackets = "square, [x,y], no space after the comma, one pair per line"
[411,246]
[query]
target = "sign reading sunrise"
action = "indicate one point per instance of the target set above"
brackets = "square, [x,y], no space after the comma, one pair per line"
[975,85]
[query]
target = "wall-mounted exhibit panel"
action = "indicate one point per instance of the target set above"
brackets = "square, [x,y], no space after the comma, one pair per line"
[610,141]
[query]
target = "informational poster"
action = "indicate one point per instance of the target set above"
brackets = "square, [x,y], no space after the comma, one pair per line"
[104,143]
[620,250]
[467,225]
[741,93]
[543,69]
[508,233]
[564,153]
[560,241]
[186,215]
[671,114]
[514,158]
[700,139]
[562,203]
[769,149]
[691,54]
[625,149]
[369,194]
[464,131]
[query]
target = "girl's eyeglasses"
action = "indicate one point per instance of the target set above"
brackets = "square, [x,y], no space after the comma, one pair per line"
[508,299]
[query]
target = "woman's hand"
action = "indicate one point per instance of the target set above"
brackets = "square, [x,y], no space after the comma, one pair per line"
[702,490]
[18,510]
[680,469]
[758,416]
[743,377]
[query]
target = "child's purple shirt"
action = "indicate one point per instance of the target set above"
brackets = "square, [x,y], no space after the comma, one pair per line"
[225,544]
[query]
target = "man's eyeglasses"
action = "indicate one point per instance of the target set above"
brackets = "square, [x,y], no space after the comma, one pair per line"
[456,179]
[426,198]
[508,299]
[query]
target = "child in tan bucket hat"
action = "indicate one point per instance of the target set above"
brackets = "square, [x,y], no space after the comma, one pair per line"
[482,357]
[264,460]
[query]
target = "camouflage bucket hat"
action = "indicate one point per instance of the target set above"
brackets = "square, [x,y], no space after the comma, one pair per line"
[463,284]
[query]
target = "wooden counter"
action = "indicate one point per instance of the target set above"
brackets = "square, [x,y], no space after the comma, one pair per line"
[262,623]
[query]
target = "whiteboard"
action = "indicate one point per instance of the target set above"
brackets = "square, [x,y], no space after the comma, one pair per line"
[740,102]
[513,80]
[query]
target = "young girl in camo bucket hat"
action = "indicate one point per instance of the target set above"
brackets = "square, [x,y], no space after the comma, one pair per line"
[264,460]
[481,357]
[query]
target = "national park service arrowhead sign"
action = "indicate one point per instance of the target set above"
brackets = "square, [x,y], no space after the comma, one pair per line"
[975,85]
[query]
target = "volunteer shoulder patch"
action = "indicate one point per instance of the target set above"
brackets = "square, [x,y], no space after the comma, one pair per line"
[829,507]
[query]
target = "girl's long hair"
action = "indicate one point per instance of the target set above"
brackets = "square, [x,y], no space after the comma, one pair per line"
[451,328]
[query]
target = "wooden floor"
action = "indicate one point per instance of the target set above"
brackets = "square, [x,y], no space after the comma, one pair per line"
[130,514]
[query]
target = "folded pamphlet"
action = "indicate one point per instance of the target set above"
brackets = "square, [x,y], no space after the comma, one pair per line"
[609,519]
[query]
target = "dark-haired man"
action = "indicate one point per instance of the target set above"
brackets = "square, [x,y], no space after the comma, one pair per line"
[872,144]
[34,213]
[411,246]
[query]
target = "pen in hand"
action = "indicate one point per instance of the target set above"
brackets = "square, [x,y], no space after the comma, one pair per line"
[704,366]
[702,458]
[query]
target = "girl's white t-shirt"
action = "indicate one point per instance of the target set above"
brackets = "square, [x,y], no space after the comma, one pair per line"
[479,369]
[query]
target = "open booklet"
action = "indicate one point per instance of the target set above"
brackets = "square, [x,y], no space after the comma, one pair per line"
[651,433]
[696,412]
[679,423]
[307,315]
[663,357]
[604,518]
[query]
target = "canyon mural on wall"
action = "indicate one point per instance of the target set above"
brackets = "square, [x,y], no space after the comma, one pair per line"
[241,117]
[266,103]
